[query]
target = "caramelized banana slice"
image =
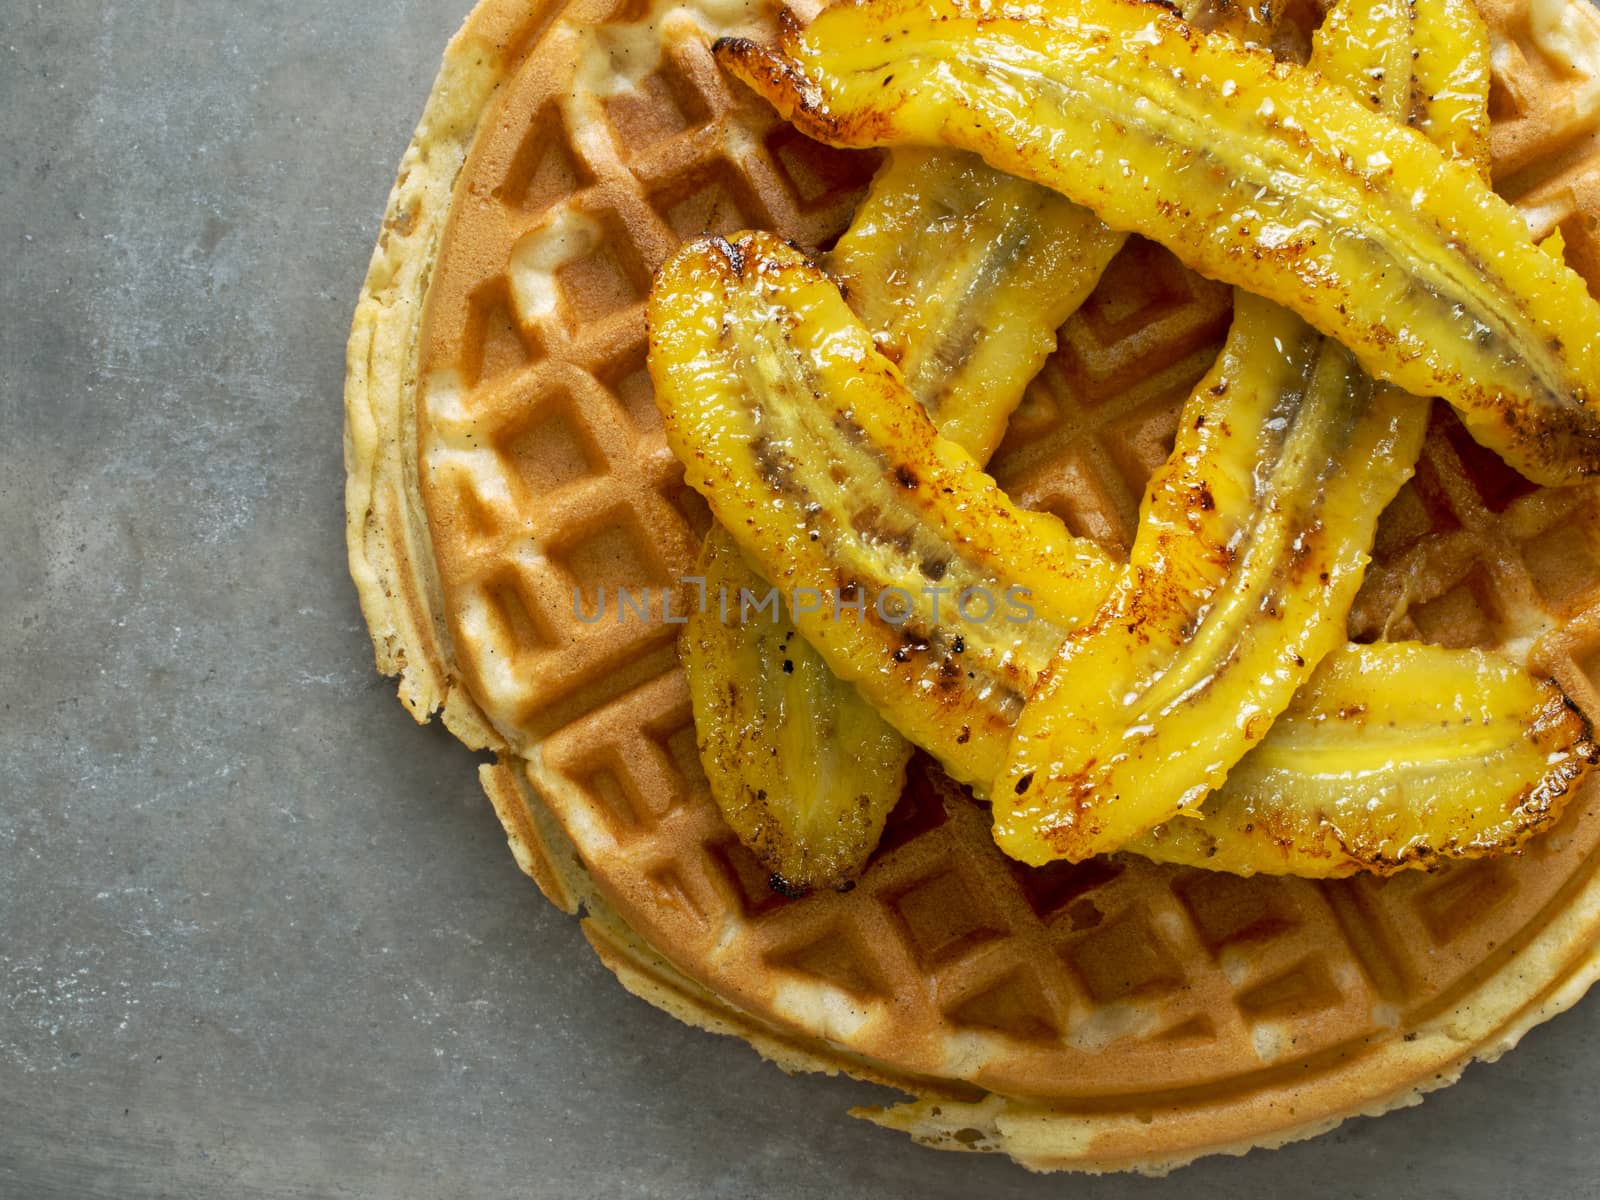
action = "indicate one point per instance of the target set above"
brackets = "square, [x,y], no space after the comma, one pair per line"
[908,569]
[1424,62]
[805,770]
[1250,550]
[1363,775]
[964,274]
[1256,173]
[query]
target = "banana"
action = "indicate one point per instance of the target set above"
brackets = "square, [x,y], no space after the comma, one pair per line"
[1364,775]
[804,770]
[964,275]
[1424,63]
[1251,547]
[909,571]
[1257,173]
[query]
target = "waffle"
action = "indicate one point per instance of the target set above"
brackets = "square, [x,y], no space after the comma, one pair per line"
[502,446]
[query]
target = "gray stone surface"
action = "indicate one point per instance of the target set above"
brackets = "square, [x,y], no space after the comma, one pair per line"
[259,934]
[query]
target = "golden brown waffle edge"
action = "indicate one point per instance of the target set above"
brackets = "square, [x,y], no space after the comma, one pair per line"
[1112,1016]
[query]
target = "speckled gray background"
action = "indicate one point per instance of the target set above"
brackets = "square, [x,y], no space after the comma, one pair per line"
[259,933]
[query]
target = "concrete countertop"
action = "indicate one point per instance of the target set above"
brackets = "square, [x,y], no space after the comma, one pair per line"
[259,933]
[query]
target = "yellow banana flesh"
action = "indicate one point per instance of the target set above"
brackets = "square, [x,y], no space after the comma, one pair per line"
[1362,775]
[1257,173]
[913,575]
[1252,544]
[804,770]
[1424,63]
[964,274]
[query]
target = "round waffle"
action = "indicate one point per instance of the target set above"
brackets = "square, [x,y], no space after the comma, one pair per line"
[502,447]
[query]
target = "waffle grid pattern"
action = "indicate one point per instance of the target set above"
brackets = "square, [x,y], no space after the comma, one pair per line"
[543,468]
